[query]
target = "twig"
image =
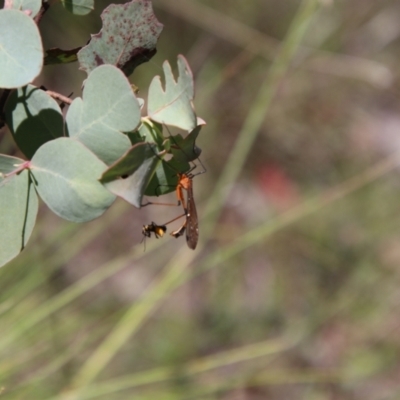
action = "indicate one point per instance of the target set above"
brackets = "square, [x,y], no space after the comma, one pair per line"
[59,96]
[43,9]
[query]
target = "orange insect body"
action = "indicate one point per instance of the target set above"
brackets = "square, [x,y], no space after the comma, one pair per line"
[185,182]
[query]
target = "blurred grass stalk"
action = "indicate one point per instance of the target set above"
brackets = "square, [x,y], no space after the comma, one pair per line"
[187,370]
[257,43]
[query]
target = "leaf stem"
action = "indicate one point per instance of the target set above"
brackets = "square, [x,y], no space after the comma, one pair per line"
[59,96]
[19,169]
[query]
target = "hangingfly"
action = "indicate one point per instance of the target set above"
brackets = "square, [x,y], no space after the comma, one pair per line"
[191,224]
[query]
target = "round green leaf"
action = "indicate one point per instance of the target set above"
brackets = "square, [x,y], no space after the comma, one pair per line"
[129,176]
[9,164]
[21,52]
[185,149]
[66,174]
[19,206]
[127,39]
[60,56]
[151,133]
[174,105]
[33,118]
[30,7]
[163,181]
[78,7]
[108,107]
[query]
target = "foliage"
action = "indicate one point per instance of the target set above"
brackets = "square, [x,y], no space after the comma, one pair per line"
[292,292]
[103,138]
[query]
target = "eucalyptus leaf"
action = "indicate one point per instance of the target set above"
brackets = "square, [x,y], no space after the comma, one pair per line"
[19,207]
[129,176]
[152,133]
[127,39]
[29,7]
[174,104]
[60,56]
[185,149]
[21,52]
[78,7]
[33,118]
[9,164]
[107,108]
[163,181]
[66,175]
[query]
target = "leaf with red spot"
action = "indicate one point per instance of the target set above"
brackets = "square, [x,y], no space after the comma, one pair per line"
[128,37]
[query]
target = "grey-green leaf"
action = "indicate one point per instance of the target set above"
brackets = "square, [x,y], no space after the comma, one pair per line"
[185,149]
[78,7]
[66,174]
[174,105]
[151,133]
[163,181]
[127,39]
[21,51]
[129,176]
[19,206]
[30,7]
[9,164]
[33,118]
[107,109]
[60,56]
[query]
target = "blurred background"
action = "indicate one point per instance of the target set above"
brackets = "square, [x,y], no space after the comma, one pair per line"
[293,291]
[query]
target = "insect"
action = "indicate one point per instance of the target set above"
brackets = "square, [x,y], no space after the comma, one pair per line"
[147,230]
[180,231]
[191,224]
[158,230]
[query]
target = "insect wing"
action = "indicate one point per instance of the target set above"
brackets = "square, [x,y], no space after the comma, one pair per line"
[192,228]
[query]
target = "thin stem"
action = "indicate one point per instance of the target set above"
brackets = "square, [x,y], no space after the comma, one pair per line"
[59,96]
[19,169]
